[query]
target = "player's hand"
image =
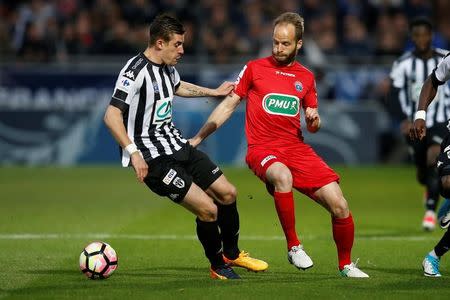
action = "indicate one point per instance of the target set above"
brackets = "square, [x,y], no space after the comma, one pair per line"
[195,141]
[224,89]
[418,130]
[312,119]
[139,165]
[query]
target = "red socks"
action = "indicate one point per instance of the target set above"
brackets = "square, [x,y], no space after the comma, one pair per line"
[284,204]
[343,234]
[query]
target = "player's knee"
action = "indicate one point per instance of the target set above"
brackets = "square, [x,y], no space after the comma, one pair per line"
[208,213]
[340,209]
[230,195]
[283,181]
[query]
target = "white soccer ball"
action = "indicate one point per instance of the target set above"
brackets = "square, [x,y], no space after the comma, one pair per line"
[98,260]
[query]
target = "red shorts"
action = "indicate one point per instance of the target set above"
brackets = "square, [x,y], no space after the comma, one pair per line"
[309,171]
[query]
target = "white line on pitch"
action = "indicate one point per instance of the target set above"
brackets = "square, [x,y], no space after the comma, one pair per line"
[60,236]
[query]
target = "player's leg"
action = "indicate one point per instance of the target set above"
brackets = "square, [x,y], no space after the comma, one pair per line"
[330,196]
[431,261]
[210,178]
[426,176]
[200,204]
[279,176]
[267,165]
[168,178]
[228,218]
[433,187]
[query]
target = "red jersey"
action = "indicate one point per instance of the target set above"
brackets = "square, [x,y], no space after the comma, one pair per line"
[274,96]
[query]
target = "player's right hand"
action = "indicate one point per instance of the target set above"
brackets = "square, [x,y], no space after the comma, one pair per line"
[194,142]
[139,165]
[418,130]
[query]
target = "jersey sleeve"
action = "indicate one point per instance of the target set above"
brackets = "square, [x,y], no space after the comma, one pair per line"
[310,98]
[397,75]
[177,79]
[124,90]
[442,71]
[244,81]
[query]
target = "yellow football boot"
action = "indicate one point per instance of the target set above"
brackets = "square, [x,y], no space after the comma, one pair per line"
[245,261]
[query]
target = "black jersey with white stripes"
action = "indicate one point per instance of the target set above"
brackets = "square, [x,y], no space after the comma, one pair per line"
[144,93]
[408,74]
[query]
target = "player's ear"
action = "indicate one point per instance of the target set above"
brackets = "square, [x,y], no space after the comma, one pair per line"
[299,44]
[159,44]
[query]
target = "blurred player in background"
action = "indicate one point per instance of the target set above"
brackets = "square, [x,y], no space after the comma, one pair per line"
[140,119]
[439,77]
[276,87]
[408,75]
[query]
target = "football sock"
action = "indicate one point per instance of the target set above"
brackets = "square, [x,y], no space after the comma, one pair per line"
[343,234]
[228,220]
[432,183]
[444,244]
[209,236]
[284,204]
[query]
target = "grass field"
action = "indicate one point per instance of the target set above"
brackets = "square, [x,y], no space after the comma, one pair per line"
[47,216]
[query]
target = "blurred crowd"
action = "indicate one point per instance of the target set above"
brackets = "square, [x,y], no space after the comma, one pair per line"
[217,30]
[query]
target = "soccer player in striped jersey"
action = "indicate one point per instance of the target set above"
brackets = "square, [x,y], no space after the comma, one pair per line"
[408,75]
[277,88]
[140,119]
[419,131]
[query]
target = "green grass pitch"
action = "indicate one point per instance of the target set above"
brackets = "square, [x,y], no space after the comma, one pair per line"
[47,216]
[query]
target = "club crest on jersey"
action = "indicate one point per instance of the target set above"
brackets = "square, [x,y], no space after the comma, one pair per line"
[298,86]
[281,104]
[125,82]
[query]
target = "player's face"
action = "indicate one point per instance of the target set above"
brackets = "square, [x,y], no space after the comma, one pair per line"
[173,50]
[421,37]
[285,47]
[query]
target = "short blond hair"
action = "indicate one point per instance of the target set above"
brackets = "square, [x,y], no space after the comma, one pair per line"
[294,19]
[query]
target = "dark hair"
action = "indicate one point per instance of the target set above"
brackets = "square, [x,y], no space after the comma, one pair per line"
[294,19]
[421,21]
[162,27]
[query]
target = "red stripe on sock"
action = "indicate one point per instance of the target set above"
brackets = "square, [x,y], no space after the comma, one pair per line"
[344,235]
[284,204]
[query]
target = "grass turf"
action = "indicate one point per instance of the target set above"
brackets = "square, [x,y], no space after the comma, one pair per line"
[63,209]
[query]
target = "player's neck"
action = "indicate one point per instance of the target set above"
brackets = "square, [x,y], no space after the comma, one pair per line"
[281,64]
[152,55]
[427,54]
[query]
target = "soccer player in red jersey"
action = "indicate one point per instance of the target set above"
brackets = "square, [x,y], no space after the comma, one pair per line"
[275,88]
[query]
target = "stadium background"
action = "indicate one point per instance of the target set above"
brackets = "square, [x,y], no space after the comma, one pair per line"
[60,59]
[58,64]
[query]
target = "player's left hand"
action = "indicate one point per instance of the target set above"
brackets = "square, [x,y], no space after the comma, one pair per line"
[225,88]
[418,130]
[312,119]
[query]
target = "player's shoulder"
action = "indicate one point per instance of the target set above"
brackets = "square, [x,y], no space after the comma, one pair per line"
[404,57]
[440,52]
[263,61]
[133,66]
[301,68]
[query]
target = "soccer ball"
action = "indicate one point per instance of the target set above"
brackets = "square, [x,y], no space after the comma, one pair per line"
[98,260]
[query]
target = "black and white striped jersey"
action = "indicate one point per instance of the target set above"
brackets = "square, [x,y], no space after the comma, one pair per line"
[442,71]
[144,93]
[408,75]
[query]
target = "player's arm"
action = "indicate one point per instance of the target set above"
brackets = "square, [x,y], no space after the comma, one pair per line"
[312,119]
[427,94]
[114,121]
[187,90]
[219,115]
